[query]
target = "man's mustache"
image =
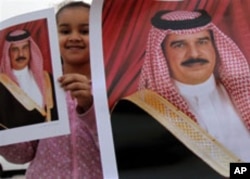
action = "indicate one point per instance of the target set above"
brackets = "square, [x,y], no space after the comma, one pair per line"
[20,58]
[191,61]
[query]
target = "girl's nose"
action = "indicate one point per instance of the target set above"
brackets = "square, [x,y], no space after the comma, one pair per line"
[75,36]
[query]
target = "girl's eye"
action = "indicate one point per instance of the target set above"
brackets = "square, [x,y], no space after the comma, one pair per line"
[84,31]
[64,31]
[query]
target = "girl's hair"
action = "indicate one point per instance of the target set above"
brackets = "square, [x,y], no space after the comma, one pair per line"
[71,4]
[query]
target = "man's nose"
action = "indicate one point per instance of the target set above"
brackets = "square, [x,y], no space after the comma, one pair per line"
[193,51]
[21,53]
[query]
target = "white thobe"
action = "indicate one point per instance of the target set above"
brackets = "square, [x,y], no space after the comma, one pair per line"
[215,113]
[28,84]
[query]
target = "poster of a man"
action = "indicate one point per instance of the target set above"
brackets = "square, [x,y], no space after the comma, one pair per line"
[27,92]
[31,98]
[136,55]
[202,72]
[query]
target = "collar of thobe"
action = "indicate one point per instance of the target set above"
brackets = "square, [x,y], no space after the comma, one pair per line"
[22,72]
[197,90]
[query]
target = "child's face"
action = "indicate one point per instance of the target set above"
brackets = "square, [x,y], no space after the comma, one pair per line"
[73,31]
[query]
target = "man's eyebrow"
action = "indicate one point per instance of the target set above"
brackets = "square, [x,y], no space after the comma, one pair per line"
[182,41]
[176,42]
[204,38]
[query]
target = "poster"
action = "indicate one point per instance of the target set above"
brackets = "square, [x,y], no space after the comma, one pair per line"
[125,26]
[31,106]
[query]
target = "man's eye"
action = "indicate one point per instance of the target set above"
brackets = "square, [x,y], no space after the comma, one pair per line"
[204,41]
[178,45]
[26,47]
[14,49]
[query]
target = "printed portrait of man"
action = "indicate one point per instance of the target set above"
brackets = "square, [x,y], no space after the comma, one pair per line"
[194,54]
[190,62]
[26,89]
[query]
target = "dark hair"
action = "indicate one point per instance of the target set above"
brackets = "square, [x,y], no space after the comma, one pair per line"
[72,5]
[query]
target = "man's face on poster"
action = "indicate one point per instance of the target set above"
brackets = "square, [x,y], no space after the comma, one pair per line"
[191,57]
[19,54]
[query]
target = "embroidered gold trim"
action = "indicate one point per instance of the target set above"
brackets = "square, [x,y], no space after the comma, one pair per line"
[49,96]
[186,130]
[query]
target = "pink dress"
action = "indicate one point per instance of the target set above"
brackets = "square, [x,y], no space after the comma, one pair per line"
[74,156]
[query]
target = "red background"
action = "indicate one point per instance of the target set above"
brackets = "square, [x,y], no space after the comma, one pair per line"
[126,25]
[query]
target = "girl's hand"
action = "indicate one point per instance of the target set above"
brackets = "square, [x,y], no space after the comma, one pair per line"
[80,89]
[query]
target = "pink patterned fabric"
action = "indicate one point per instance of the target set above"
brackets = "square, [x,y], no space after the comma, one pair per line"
[74,156]
[35,65]
[233,69]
